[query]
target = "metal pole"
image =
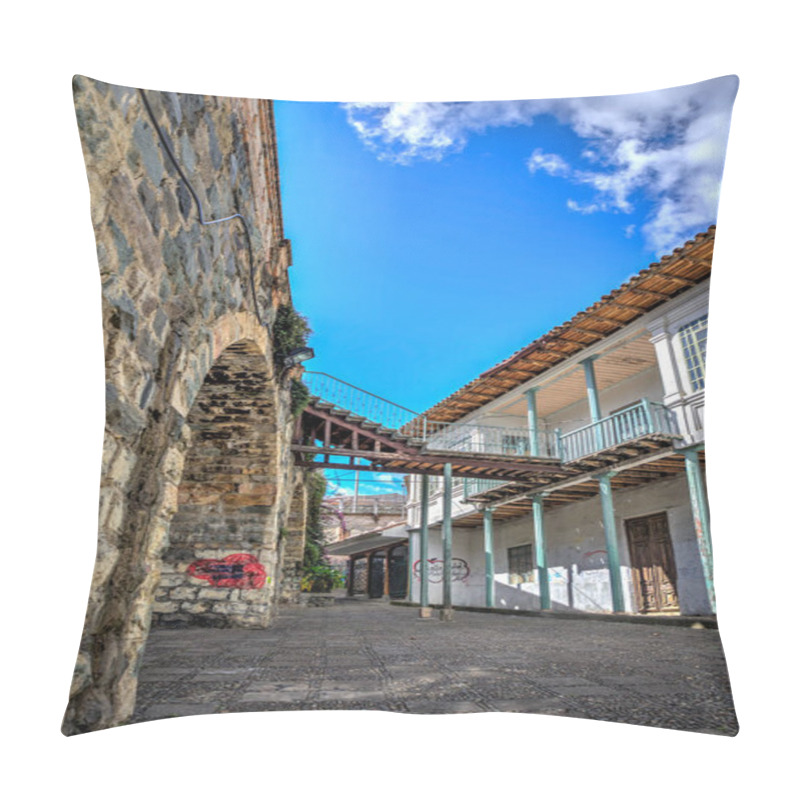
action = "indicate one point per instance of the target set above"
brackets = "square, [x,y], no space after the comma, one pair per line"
[533,421]
[541,551]
[447,544]
[702,527]
[488,549]
[610,528]
[423,547]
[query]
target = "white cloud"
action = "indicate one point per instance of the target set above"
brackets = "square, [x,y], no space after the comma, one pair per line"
[335,490]
[584,208]
[551,163]
[669,145]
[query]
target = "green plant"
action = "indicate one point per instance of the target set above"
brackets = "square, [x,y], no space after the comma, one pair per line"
[321,578]
[316,486]
[289,331]
[299,397]
[318,575]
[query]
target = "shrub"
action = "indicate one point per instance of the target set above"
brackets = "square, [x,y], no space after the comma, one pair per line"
[321,578]
[289,331]
[299,397]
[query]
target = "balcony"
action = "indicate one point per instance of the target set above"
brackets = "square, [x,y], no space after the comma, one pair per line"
[639,423]
[644,419]
[638,426]
[468,437]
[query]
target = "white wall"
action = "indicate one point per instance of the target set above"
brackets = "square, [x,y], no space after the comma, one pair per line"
[576,550]
[686,403]
[645,384]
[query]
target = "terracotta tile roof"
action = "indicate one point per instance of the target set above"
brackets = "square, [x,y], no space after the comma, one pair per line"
[685,267]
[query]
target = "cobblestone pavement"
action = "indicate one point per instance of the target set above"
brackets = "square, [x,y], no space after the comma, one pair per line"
[372,655]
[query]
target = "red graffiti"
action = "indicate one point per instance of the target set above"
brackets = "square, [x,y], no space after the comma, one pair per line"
[593,553]
[237,571]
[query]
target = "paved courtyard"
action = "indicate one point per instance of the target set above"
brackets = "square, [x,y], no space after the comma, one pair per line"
[372,655]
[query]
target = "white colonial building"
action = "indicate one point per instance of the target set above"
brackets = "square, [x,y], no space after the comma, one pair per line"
[614,398]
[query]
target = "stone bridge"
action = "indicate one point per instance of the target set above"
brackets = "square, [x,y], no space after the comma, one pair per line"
[202,511]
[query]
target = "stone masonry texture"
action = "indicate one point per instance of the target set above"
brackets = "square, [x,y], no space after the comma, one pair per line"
[196,461]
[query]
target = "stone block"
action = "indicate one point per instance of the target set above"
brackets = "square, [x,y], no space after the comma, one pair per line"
[184,593]
[214,594]
[195,608]
[165,607]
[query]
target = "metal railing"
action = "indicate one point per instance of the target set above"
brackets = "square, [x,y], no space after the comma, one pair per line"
[375,505]
[641,419]
[468,437]
[359,402]
[462,437]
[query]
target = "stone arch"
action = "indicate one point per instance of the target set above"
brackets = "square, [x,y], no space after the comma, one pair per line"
[147,473]
[220,564]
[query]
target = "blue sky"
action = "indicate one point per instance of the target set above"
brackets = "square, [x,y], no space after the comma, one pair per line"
[431,240]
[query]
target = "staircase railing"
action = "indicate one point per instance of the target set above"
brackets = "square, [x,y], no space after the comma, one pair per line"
[357,401]
[463,437]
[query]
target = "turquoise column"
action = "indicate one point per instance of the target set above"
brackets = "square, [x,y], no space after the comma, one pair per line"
[447,544]
[610,528]
[533,421]
[488,550]
[423,542]
[591,388]
[697,494]
[541,551]
[594,397]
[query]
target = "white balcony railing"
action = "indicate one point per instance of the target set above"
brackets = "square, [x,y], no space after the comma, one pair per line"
[644,418]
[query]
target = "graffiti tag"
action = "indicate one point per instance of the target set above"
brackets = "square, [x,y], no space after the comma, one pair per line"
[237,571]
[593,559]
[459,570]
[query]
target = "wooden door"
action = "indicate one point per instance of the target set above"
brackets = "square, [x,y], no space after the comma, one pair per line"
[655,578]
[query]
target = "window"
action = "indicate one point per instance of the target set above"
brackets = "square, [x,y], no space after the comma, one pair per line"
[693,341]
[520,564]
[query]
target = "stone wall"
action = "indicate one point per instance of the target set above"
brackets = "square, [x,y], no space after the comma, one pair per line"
[293,542]
[197,415]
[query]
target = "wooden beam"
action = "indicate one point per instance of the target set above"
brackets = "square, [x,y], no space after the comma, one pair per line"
[653,292]
[679,279]
[433,462]
[591,475]
[327,437]
[352,426]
